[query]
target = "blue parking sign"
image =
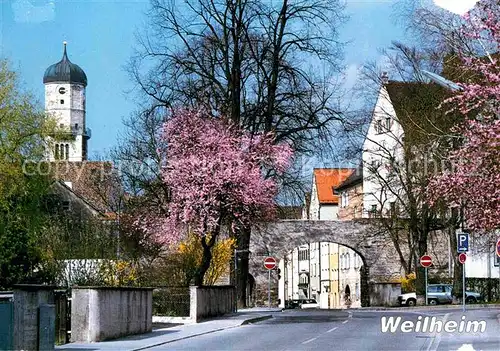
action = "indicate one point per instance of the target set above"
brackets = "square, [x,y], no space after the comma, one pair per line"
[463,242]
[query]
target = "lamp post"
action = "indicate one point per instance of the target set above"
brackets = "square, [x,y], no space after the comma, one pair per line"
[236,252]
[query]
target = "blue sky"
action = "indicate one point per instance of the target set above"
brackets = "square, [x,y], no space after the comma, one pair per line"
[100,36]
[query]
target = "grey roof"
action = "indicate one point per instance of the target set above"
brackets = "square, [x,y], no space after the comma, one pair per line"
[354,179]
[65,72]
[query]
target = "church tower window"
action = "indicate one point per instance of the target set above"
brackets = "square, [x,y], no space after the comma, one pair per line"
[56,152]
[67,151]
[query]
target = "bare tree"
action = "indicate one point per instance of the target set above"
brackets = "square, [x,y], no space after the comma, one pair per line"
[266,66]
[406,146]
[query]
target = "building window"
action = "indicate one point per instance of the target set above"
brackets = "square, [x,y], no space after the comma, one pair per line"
[67,152]
[348,261]
[303,255]
[61,152]
[388,123]
[345,199]
[65,205]
[378,126]
[62,102]
[393,208]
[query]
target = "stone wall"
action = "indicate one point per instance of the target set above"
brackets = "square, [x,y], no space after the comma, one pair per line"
[211,301]
[101,313]
[384,294]
[34,314]
[381,263]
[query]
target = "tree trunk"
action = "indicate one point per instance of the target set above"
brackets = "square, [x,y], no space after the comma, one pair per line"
[205,260]
[243,244]
[420,276]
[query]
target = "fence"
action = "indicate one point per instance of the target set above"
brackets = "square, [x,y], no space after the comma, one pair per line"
[172,301]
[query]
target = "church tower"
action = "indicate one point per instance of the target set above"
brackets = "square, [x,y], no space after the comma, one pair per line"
[65,84]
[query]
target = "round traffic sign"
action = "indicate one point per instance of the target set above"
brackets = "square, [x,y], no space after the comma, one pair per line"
[270,263]
[462,258]
[498,247]
[425,261]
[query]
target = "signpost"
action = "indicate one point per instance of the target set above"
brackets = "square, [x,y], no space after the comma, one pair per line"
[426,261]
[269,264]
[462,242]
[462,258]
[498,259]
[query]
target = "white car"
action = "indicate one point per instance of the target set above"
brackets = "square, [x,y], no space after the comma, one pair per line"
[309,304]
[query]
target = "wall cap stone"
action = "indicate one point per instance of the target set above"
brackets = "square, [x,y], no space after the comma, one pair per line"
[110,288]
[34,287]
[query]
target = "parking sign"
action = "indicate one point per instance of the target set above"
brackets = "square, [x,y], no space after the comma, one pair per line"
[463,242]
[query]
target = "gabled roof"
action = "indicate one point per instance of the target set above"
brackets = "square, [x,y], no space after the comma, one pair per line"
[326,180]
[417,107]
[94,181]
[354,179]
[61,185]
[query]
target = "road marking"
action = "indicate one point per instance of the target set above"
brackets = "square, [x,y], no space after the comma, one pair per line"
[466,347]
[350,314]
[308,341]
[329,331]
[437,339]
[344,322]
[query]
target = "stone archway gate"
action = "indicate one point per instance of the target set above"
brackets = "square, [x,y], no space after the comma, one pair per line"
[380,261]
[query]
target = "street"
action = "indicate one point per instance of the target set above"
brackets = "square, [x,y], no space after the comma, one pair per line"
[348,330]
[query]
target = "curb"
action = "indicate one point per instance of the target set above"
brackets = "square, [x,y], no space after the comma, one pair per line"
[245,322]
[435,307]
[256,319]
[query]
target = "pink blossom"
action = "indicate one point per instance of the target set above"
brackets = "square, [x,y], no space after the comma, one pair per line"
[474,177]
[216,176]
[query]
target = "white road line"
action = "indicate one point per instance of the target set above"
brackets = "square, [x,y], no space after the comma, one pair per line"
[308,341]
[350,314]
[344,322]
[329,331]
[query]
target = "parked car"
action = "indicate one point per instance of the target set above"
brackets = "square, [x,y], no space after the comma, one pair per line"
[310,304]
[301,303]
[437,294]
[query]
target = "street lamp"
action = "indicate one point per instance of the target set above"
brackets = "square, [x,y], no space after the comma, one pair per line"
[459,7]
[236,252]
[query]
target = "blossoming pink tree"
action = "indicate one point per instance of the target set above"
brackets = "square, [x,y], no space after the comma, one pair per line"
[215,173]
[473,179]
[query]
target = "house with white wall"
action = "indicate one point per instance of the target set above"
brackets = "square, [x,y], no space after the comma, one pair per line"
[390,138]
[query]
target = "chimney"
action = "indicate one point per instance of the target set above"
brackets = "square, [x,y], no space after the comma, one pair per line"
[384,77]
[69,184]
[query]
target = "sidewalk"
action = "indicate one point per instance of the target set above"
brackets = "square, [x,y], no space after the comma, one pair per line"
[167,335]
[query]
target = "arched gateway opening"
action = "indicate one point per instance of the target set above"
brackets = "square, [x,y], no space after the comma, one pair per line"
[280,238]
[320,273]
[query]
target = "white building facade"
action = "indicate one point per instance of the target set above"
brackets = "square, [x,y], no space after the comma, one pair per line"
[383,147]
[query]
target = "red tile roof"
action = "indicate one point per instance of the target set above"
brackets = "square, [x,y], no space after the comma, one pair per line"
[327,179]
